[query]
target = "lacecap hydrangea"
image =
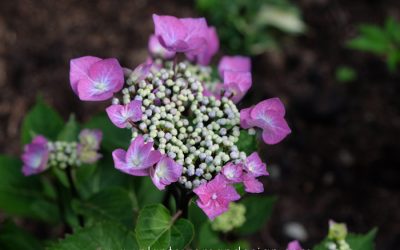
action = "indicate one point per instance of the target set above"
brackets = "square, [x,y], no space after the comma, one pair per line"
[185,124]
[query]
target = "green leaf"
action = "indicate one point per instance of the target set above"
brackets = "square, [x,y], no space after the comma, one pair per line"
[156,229]
[23,195]
[247,142]
[362,242]
[208,239]
[258,211]
[113,137]
[371,39]
[147,193]
[345,74]
[43,120]
[70,131]
[15,238]
[104,235]
[182,234]
[112,204]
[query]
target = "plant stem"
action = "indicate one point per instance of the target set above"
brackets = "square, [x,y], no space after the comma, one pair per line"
[74,192]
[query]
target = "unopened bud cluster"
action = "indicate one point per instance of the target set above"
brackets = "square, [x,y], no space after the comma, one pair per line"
[199,132]
[63,154]
[233,218]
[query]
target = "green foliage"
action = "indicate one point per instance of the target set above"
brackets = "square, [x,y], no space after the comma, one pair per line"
[42,119]
[15,238]
[103,235]
[247,143]
[345,74]
[70,131]
[252,27]
[383,41]
[113,137]
[156,229]
[258,211]
[113,204]
[208,239]
[23,196]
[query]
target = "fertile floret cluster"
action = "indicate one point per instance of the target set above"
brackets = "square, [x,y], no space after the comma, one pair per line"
[185,123]
[233,218]
[42,154]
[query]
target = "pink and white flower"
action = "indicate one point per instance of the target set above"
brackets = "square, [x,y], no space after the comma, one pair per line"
[269,116]
[95,79]
[233,172]
[157,50]
[165,172]
[255,166]
[215,196]
[35,156]
[234,63]
[251,184]
[121,115]
[138,159]
[180,34]
[237,84]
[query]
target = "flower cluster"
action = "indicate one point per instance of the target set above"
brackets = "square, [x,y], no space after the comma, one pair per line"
[337,236]
[42,154]
[185,124]
[233,218]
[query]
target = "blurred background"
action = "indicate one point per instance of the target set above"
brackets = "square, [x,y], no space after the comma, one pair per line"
[341,161]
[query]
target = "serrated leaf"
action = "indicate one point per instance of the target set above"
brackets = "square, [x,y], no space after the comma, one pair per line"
[113,137]
[258,211]
[362,242]
[70,131]
[156,229]
[247,142]
[23,195]
[15,238]
[43,120]
[104,235]
[112,204]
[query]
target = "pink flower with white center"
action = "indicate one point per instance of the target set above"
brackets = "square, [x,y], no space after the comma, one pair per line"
[269,116]
[95,79]
[157,50]
[35,156]
[237,84]
[234,63]
[204,54]
[255,166]
[180,34]
[215,196]
[138,159]
[294,245]
[121,115]
[251,184]
[166,171]
[91,138]
[233,172]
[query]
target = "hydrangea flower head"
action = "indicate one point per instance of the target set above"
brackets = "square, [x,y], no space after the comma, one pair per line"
[138,159]
[35,156]
[215,196]
[185,124]
[95,79]
[166,171]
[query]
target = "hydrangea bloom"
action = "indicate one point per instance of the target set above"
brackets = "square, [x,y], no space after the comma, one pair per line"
[35,156]
[166,171]
[190,124]
[215,196]
[41,153]
[294,245]
[269,116]
[122,115]
[95,79]
[138,159]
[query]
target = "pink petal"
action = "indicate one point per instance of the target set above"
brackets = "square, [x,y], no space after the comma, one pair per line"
[141,72]
[213,209]
[170,32]
[294,245]
[205,52]
[252,185]
[157,50]
[245,118]
[35,156]
[120,115]
[274,104]
[238,82]
[277,130]
[234,63]
[79,68]
[165,172]
[233,172]
[119,156]
[255,166]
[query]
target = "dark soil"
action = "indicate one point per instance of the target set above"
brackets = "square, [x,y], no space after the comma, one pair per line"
[339,163]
